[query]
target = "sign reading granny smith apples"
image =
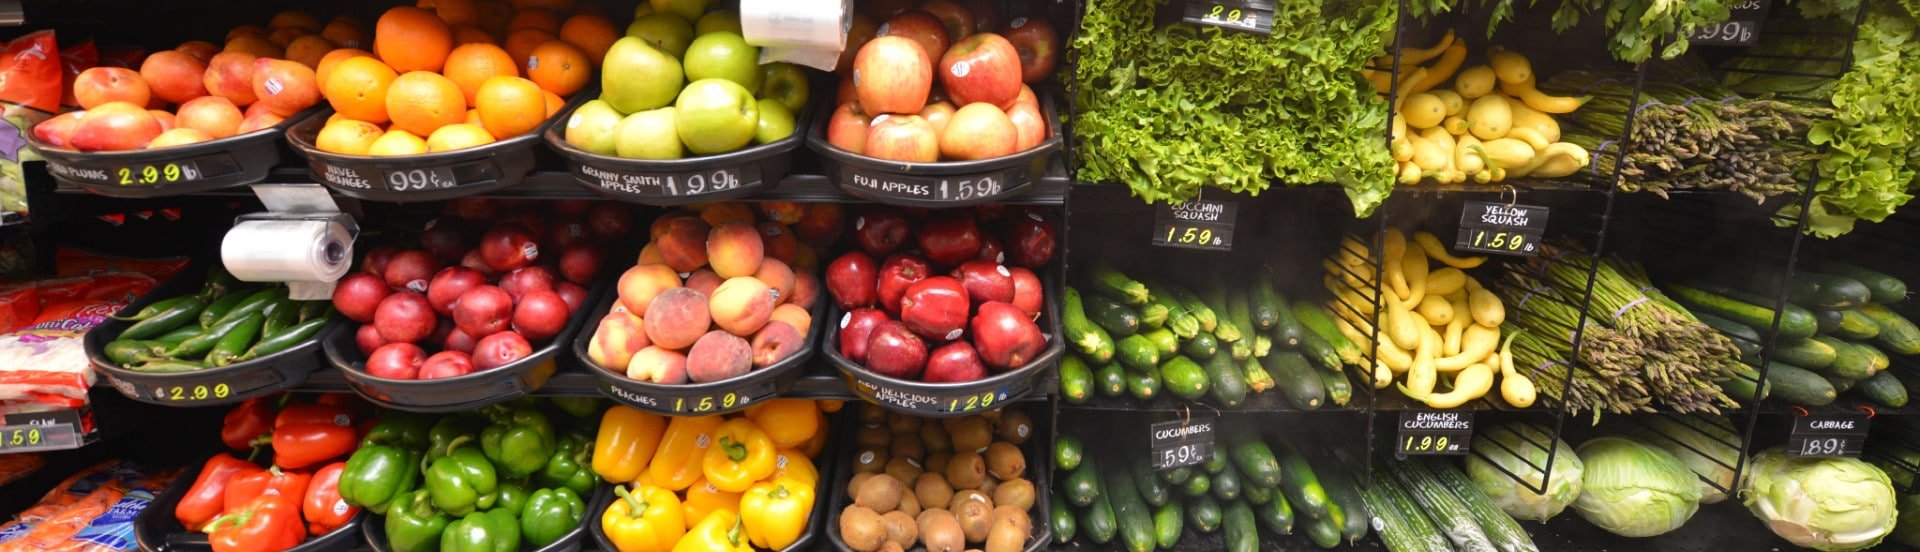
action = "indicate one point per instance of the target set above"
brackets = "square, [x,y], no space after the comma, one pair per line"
[644,185]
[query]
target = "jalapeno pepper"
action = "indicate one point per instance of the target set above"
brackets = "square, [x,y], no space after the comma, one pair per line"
[286,339]
[256,302]
[155,308]
[220,307]
[219,283]
[127,351]
[235,342]
[174,317]
[310,310]
[281,314]
[168,366]
[200,345]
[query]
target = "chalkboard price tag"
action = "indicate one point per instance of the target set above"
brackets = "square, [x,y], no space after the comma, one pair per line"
[663,185]
[1741,29]
[1828,435]
[1247,17]
[1429,432]
[410,180]
[147,175]
[1501,228]
[713,402]
[1197,224]
[964,189]
[1184,442]
[56,430]
[218,390]
[951,403]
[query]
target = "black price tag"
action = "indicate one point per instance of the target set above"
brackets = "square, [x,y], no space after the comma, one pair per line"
[1428,432]
[955,188]
[421,179]
[933,403]
[1197,224]
[668,184]
[1501,228]
[1250,17]
[154,174]
[1184,442]
[716,402]
[1828,435]
[56,430]
[224,389]
[1741,29]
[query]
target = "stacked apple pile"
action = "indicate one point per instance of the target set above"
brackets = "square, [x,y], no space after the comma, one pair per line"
[935,299]
[718,292]
[891,109]
[479,289]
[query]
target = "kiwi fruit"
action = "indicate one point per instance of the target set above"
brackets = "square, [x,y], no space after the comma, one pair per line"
[861,529]
[966,470]
[901,528]
[1020,517]
[901,423]
[932,488]
[964,497]
[908,445]
[880,493]
[1014,492]
[853,485]
[970,434]
[975,512]
[1015,427]
[1007,535]
[891,546]
[870,460]
[872,436]
[934,437]
[872,414]
[1006,461]
[903,468]
[988,485]
[993,416]
[910,504]
[937,463]
[940,531]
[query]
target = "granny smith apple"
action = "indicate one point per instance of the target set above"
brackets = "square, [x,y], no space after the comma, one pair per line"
[649,134]
[719,20]
[785,82]
[715,116]
[592,126]
[776,121]
[643,9]
[686,9]
[637,77]
[724,55]
[666,32]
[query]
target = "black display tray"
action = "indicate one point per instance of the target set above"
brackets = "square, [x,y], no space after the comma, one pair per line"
[1039,454]
[719,397]
[425,177]
[732,175]
[228,162]
[157,530]
[939,184]
[817,522]
[374,529]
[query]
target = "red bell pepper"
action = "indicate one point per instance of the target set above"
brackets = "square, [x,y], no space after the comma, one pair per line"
[305,445]
[324,509]
[296,414]
[247,423]
[206,499]
[270,523]
[275,481]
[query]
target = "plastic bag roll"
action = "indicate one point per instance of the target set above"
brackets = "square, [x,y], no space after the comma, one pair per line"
[811,24]
[287,251]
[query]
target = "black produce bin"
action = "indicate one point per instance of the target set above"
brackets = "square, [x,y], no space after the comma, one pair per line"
[190,169]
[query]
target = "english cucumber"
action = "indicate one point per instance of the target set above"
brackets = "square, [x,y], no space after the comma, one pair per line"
[1745,308]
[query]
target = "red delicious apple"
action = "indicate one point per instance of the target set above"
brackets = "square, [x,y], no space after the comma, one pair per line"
[610,221]
[953,363]
[527,280]
[892,75]
[358,294]
[898,272]
[579,262]
[509,246]
[396,361]
[499,349]
[906,138]
[847,129]
[937,114]
[446,364]
[949,239]
[483,311]
[986,281]
[981,68]
[883,9]
[986,15]
[368,339]
[855,327]
[1027,291]
[958,21]
[1029,240]
[851,278]
[1031,127]
[920,27]
[991,250]
[823,223]
[1005,337]
[1038,44]
[404,317]
[540,315]
[881,231]
[449,284]
[572,293]
[446,238]
[858,33]
[979,131]
[895,352]
[936,308]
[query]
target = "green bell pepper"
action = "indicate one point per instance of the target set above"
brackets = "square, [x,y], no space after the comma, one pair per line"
[519,442]
[495,530]
[585,408]
[571,466]
[449,428]
[510,495]
[400,429]
[414,525]
[376,475]
[551,514]
[463,481]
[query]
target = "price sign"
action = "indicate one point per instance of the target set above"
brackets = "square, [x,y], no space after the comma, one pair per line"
[1501,228]
[1828,435]
[969,188]
[156,174]
[16,438]
[668,184]
[1427,432]
[1249,17]
[1184,442]
[941,403]
[229,387]
[714,402]
[1197,224]
[417,179]
[1741,29]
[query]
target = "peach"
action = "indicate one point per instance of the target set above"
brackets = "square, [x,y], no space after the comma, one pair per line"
[742,305]
[178,137]
[58,131]
[704,280]
[734,249]
[777,276]
[722,213]
[717,356]
[284,87]
[806,289]
[619,338]
[214,115]
[778,241]
[175,76]
[100,85]
[638,286]
[662,224]
[684,244]
[115,126]
[199,49]
[792,315]
[230,75]
[677,318]
[259,121]
[649,254]
[783,212]
[775,342]
[658,365]
[166,119]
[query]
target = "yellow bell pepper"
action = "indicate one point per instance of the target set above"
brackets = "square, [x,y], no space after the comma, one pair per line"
[721,531]
[648,519]
[775,511]
[678,462]
[626,443]
[791,463]
[703,498]
[788,422]
[741,454]
[819,441]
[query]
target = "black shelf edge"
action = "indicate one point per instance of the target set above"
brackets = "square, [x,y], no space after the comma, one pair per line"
[820,381]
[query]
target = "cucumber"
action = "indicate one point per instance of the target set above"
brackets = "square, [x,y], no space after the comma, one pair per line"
[1276,516]
[1877,359]
[1229,384]
[1184,378]
[1828,320]
[1840,384]
[1205,514]
[1176,476]
[1298,483]
[1403,527]
[1742,335]
[1243,535]
[1081,485]
[1203,346]
[1076,380]
[1199,484]
[1339,390]
[1827,291]
[1164,341]
[1505,533]
[1151,489]
[1110,379]
[1344,493]
[1883,389]
[1062,519]
[1098,521]
[1254,459]
[1138,353]
[1798,386]
[1067,453]
[1264,301]
[1312,345]
[1323,533]
[1226,485]
[1886,290]
[1745,385]
[1117,319]
[1744,308]
[1086,337]
[1135,518]
[1896,332]
[1257,495]
[1215,465]
[1191,304]
[1297,381]
[1440,504]
[1851,361]
[1144,385]
[1167,523]
[1111,283]
[1855,325]
[1806,352]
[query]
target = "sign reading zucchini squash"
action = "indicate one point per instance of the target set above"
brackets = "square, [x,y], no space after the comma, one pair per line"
[1197,224]
[1501,228]
[1428,432]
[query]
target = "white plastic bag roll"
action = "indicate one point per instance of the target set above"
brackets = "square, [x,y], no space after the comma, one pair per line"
[809,24]
[287,251]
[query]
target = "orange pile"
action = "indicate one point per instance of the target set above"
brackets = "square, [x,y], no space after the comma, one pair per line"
[451,74]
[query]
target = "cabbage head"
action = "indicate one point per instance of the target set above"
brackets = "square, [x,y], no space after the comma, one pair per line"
[1706,444]
[1634,489]
[1827,504]
[1518,448]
